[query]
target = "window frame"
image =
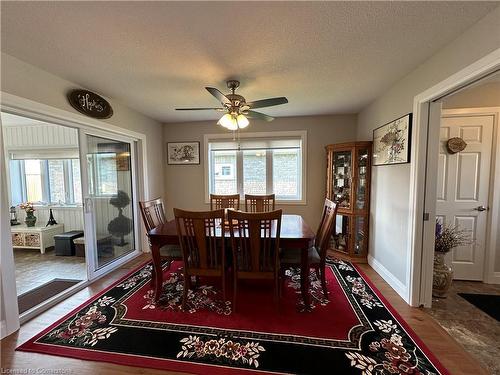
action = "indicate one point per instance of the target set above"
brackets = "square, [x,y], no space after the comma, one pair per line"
[302,134]
[69,193]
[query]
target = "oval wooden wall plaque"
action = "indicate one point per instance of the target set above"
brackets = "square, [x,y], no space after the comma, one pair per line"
[90,104]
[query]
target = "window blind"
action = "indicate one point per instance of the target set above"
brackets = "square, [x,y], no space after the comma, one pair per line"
[255,144]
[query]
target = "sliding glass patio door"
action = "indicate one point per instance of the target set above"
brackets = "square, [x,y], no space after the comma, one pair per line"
[109,185]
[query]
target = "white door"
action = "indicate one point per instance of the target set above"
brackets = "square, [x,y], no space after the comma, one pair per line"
[110,200]
[463,188]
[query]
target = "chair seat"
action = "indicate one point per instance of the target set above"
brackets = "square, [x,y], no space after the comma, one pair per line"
[294,256]
[172,251]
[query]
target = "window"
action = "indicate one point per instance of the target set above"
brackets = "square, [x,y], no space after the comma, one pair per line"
[45,181]
[106,174]
[257,164]
[34,182]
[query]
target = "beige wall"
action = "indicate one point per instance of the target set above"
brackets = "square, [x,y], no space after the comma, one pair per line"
[485,95]
[27,81]
[184,184]
[390,206]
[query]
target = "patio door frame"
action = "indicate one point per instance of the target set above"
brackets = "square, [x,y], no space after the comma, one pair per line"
[20,106]
[89,205]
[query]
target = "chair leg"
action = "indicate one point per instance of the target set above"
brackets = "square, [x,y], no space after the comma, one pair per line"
[153,278]
[277,292]
[282,276]
[187,283]
[235,283]
[323,282]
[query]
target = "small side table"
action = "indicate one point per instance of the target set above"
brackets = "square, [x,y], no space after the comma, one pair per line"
[38,238]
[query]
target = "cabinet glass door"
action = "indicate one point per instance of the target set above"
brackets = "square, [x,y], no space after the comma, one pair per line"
[362,178]
[342,177]
[341,235]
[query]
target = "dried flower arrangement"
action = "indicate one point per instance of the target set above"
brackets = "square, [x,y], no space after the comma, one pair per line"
[448,237]
[27,207]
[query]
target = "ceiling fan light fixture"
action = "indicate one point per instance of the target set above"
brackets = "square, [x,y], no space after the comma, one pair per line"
[228,121]
[242,121]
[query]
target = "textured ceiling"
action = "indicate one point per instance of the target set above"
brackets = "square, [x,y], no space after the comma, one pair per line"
[326,57]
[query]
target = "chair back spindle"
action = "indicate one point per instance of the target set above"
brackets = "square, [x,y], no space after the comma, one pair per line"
[224,201]
[259,203]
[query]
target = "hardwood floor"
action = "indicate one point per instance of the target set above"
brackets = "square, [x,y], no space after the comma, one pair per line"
[449,352]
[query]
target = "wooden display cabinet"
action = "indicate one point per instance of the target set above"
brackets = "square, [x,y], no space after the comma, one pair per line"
[348,183]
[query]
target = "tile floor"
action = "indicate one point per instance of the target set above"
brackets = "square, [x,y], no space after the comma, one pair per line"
[34,269]
[475,330]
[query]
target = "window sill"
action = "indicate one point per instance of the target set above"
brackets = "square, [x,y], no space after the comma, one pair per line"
[65,206]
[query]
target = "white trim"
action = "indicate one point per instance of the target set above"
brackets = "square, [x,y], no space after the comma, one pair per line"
[8,293]
[292,133]
[419,257]
[392,280]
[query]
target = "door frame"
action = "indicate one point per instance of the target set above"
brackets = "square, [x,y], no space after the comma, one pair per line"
[20,106]
[89,221]
[421,243]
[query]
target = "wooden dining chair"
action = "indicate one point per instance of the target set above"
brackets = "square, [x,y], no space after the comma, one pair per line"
[259,203]
[255,241]
[202,251]
[153,214]
[317,253]
[224,201]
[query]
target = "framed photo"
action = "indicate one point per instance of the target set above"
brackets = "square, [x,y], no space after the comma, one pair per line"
[183,153]
[392,142]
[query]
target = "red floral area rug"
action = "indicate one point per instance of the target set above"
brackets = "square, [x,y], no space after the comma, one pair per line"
[355,331]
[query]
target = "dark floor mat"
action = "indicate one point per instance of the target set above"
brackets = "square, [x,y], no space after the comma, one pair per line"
[489,303]
[42,293]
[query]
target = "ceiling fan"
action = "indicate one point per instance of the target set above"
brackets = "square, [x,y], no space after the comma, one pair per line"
[236,107]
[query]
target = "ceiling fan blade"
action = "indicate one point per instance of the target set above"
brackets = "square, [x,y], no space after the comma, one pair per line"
[200,109]
[268,102]
[259,116]
[219,95]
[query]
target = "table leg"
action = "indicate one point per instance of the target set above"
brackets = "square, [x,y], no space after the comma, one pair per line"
[157,271]
[304,280]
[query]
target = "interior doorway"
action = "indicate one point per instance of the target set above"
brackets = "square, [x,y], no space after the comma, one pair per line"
[467,156]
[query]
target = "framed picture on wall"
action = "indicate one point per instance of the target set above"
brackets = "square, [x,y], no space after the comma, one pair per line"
[183,153]
[392,142]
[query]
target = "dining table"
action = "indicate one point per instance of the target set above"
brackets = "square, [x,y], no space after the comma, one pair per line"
[295,233]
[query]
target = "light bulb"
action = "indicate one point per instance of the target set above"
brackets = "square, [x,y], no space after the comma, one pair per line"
[226,120]
[242,121]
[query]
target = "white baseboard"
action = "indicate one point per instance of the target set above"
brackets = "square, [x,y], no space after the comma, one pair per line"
[392,280]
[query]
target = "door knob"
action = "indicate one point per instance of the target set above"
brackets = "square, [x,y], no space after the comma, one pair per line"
[480,208]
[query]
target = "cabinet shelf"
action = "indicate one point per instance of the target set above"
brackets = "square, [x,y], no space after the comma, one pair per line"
[348,183]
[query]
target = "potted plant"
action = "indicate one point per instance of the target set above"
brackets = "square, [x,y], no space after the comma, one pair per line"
[447,238]
[30,219]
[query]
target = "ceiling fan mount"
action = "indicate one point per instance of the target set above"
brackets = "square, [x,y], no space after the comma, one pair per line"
[233,84]
[236,105]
